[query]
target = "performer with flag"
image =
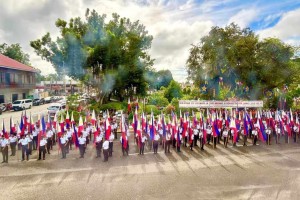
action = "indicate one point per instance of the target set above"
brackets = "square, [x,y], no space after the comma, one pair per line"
[255,133]
[63,144]
[24,143]
[13,139]
[268,132]
[4,148]
[168,141]
[225,136]
[42,149]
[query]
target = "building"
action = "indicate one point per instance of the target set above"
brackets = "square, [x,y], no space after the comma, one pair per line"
[60,87]
[17,81]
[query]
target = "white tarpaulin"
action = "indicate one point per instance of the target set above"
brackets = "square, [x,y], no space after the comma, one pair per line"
[219,104]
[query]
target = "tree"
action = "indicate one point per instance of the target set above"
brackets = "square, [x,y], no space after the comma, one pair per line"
[235,58]
[173,91]
[14,51]
[111,57]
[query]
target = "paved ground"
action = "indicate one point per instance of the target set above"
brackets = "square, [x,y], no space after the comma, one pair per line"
[252,172]
[16,115]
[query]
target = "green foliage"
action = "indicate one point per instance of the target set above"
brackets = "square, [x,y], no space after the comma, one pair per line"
[169,109]
[225,93]
[240,60]
[158,79]
[173,91]
[14,51]
[113,106]
[153,108]
[158,100]
[109,55]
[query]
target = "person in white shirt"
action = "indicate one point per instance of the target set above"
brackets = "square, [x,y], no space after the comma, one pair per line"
[125,148]
[168,142]
[178,142]
[201,139]
[143,139]
[63,144]
[4,148]
[82,144]
[25,146]
[13,143]
[208,132]
[98,141]
[105,150]
[296,132]
[115,128]
[196,134]
[49,135]
[29,138]
[268,132]
[69,142]
[255,133]
[155,142]
[42,148]
[225,136]
[278,133]
[111,143]
[35,133]
[85,135]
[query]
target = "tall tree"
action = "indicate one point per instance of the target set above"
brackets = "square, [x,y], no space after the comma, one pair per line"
[236,58]
[14,51]
[109,56]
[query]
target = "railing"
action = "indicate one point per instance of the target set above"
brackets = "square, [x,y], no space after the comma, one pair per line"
[17,85]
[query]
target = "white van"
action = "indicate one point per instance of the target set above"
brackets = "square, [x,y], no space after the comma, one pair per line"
[22,104]
[56,107]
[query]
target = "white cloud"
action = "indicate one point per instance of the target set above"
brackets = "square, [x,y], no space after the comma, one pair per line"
[286,29]
[244,17]
[175,24]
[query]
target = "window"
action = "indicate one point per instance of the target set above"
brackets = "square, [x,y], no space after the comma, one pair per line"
[28,101]
[20,78]
[24,95]
[14,97]
[7,78]
[1,98]
[16,78]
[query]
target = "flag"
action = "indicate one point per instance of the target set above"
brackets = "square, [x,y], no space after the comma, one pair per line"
[234,129]
[128,105]
[4,132]
[93,120]
[22,126]
[139,132]
[67,120]
[75,137]
[262,132]
[80,126]
[107,129]
[178,137]
[123,130]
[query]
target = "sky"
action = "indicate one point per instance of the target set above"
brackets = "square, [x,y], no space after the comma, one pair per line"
[174,24]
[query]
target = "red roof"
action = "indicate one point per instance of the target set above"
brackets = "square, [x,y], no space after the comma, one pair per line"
[9,63]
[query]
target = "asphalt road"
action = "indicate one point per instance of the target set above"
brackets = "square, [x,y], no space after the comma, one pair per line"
[251,172]
[16,115]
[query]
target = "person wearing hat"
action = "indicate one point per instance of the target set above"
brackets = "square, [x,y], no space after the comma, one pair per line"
[13,143]
[63,144]
[4,148]
[42,148]
[82,144]
[49,134]
[25,147]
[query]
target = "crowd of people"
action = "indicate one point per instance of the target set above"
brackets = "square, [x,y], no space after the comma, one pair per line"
[218,127]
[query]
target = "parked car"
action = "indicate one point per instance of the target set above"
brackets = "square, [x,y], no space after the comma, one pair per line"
[48,100]
[55,107]
[22,104]
[37,102]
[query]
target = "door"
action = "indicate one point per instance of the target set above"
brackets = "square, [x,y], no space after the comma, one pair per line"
[14,97]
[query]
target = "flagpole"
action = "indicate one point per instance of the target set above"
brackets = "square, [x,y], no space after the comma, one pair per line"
[17,142]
